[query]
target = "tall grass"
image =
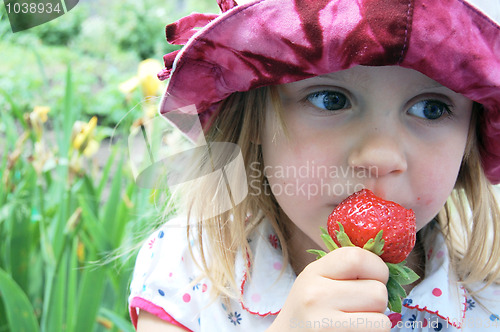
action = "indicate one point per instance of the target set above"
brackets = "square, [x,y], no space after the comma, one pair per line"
[58,226]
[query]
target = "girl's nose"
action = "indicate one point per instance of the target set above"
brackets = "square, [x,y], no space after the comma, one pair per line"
[379,154]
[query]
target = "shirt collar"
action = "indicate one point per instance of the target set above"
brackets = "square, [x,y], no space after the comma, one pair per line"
[439,292]
[264,284]
[265,292]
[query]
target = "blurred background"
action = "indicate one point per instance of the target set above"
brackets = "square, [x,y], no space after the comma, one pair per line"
[73,92]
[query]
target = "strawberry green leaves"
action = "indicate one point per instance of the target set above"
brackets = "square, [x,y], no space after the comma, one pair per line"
[376,245]
[399,274]
[330,244]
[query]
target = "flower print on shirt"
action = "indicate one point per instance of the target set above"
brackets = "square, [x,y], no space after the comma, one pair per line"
[273,239]
[470,304]
[234,318]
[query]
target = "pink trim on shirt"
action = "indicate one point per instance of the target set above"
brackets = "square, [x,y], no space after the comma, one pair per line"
[242,289]
[140,303]
[452,323]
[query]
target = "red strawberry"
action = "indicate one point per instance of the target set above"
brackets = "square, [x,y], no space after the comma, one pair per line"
[383,227]
[363,215]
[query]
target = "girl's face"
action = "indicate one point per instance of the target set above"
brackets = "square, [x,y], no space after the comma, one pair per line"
[389,129]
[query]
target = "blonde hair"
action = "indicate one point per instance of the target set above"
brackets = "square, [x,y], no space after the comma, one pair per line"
[470,219]
[239,120]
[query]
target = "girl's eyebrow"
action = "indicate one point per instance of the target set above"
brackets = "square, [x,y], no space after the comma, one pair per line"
[351,77]
[360,78]
[435,86]
[340,78]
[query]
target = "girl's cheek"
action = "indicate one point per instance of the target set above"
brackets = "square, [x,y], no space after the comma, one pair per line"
[432,192]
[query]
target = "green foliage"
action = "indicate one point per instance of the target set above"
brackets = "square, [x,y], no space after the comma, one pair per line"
[4,23]
[59,224]
[63,29]
[140,25]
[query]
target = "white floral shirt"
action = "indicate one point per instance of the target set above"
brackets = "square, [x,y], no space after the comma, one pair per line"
[165,284]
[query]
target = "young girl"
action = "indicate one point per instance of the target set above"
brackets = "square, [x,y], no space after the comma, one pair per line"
[319,99]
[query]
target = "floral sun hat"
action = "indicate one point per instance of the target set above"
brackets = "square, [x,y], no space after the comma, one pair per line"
[268,42]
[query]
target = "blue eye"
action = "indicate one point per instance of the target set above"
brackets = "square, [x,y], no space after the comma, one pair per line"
[429,109]
[329,100]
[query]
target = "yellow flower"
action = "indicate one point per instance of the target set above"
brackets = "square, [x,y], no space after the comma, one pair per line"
[91,148]
[129,85]
[37,118]
[146,78]
[83,137]
[150,84]
[42,111]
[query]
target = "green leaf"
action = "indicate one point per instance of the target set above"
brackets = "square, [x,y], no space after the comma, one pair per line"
[395,294]
[55,297]
[72,284]
[90,297]
[376,245]
[395,303]
[123,216]
[330,244]
[19,311]
[94,226]
[412,276]
[69,114]
[402,274]
[120,322]
[105,172]
[318,253]
[343,238]
[15,108]
[109,219]
[397,272]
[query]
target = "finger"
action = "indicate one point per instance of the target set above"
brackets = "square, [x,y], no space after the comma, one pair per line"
[359,296]
[351,263]
[345,295]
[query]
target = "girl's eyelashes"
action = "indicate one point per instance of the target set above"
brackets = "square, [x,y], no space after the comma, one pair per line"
[329,100]
[430,109]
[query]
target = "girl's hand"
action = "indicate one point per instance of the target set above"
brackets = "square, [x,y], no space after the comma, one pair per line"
[343,291]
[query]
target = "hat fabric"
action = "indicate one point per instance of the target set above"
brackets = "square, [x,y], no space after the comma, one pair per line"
[269,42]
